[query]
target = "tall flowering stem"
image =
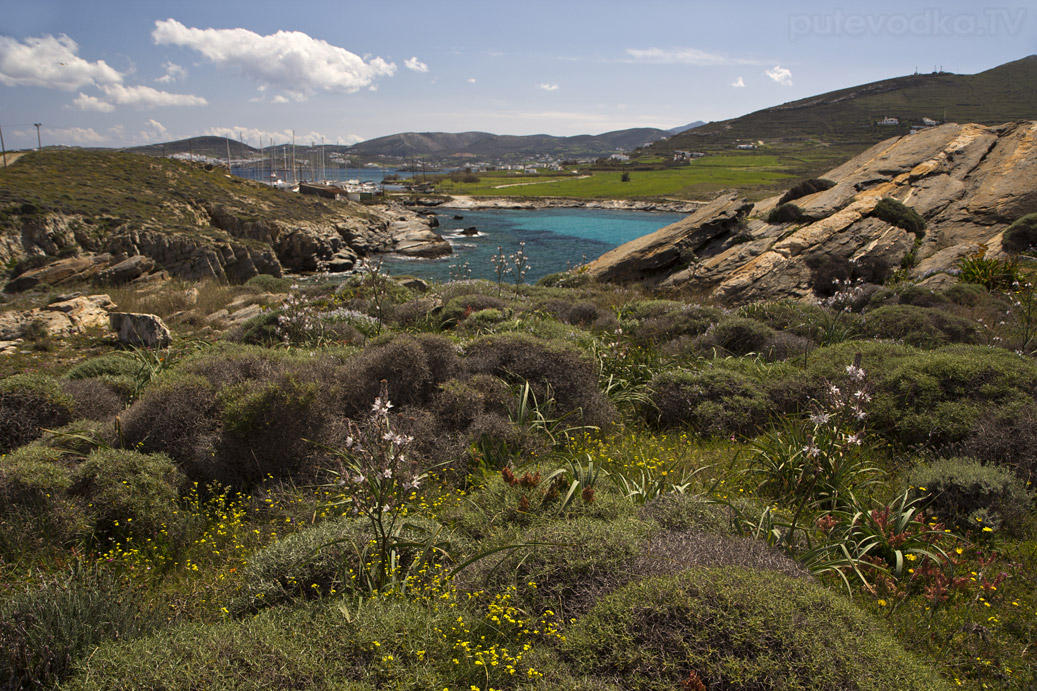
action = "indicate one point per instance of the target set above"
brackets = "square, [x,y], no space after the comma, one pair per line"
[374,478]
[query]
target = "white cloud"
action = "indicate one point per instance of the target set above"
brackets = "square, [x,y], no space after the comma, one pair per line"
[780,75]
[173,73]
[471,80]
[73,135]
[291,60]
[146,97]
[281,99]
[416,65]
[548,87]
[252,135]
[51,63]
[685,56]
[156,127]
[738,83]
[85,102]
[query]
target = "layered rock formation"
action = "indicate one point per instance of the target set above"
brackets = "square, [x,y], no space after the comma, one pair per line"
[969,182]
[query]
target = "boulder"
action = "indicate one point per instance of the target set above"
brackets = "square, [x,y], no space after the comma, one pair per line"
[127,270]
[146,330]
[62,318]
[58,272]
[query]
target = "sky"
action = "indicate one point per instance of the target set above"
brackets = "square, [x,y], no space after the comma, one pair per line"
[120,73]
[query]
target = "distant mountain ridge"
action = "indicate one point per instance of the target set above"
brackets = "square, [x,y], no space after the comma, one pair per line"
[850,116]
[441,146]
[485,145]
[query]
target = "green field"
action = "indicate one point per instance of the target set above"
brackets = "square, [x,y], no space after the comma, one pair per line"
[754,174]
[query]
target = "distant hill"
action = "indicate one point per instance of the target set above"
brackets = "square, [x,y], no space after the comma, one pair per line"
[850,116]
[213,147]
[685,128]
[442,147]
[483,145]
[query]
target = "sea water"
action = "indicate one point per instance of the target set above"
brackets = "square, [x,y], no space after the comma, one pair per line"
[555,240]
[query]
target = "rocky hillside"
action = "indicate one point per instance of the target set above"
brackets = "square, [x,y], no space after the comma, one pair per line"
[967,182]
[104,207]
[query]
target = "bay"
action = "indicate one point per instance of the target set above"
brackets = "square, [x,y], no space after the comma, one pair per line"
[555,240]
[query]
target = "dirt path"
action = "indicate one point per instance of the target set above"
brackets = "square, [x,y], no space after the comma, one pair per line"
[12,157]
[538,182]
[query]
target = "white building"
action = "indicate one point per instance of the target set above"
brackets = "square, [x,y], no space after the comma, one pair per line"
[888,121]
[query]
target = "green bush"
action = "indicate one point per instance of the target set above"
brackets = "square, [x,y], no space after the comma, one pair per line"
[311,563]
[922,327]
[806,187]
[177,416]
[713,402]
[1021,235]
[113,364]
[265,283]
[128,491]
[29,403]
[47,629]
[575,563]
[461,307]
[738,336]
[687,320]
[37,514]
[553,370]
[738,629]
[259,330]
[901,215]
[787,213]
[968,495]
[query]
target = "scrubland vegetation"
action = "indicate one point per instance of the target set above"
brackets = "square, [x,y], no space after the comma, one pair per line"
[492,486]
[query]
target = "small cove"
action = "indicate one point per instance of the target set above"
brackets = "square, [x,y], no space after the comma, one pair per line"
[555,239]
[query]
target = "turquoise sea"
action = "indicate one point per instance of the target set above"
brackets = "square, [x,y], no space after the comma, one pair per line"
[555,239]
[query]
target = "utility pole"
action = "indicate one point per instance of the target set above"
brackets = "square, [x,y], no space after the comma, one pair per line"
[39,144]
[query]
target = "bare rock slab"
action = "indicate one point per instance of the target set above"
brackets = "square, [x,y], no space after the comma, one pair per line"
[135,329]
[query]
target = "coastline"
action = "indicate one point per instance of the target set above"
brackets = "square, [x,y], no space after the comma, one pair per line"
[469,203]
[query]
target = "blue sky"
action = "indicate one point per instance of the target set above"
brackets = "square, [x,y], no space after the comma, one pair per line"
[125,72]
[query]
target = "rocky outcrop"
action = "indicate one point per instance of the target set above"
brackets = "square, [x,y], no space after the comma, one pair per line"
[969,182]
[58,272]
[145,330]
[66,317]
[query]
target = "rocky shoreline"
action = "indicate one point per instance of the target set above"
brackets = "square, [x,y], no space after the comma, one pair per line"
[470,203]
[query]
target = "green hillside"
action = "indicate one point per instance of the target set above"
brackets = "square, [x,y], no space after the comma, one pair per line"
[848,117]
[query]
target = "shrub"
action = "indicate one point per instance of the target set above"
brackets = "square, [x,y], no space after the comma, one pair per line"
[28,403]
[1021,236]
[554,371]
[578,313]
[178,417]
[259,330]
[265,283]
[967,294]
[738,336]
[738,629]
[672,551]
[713,402]
[459,308]
[901,215]
[95,399]
[921,327]
[968,495]
[412,366]
[687,320]
[112,364]
[588,558]
[128,491]
[37,515]
[992,274]
[313,562]
[45,630]
[787,213]
[806,187]
[1006,436]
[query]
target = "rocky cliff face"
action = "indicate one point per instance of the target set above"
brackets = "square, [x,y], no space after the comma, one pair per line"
[969,182]
[214,241]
